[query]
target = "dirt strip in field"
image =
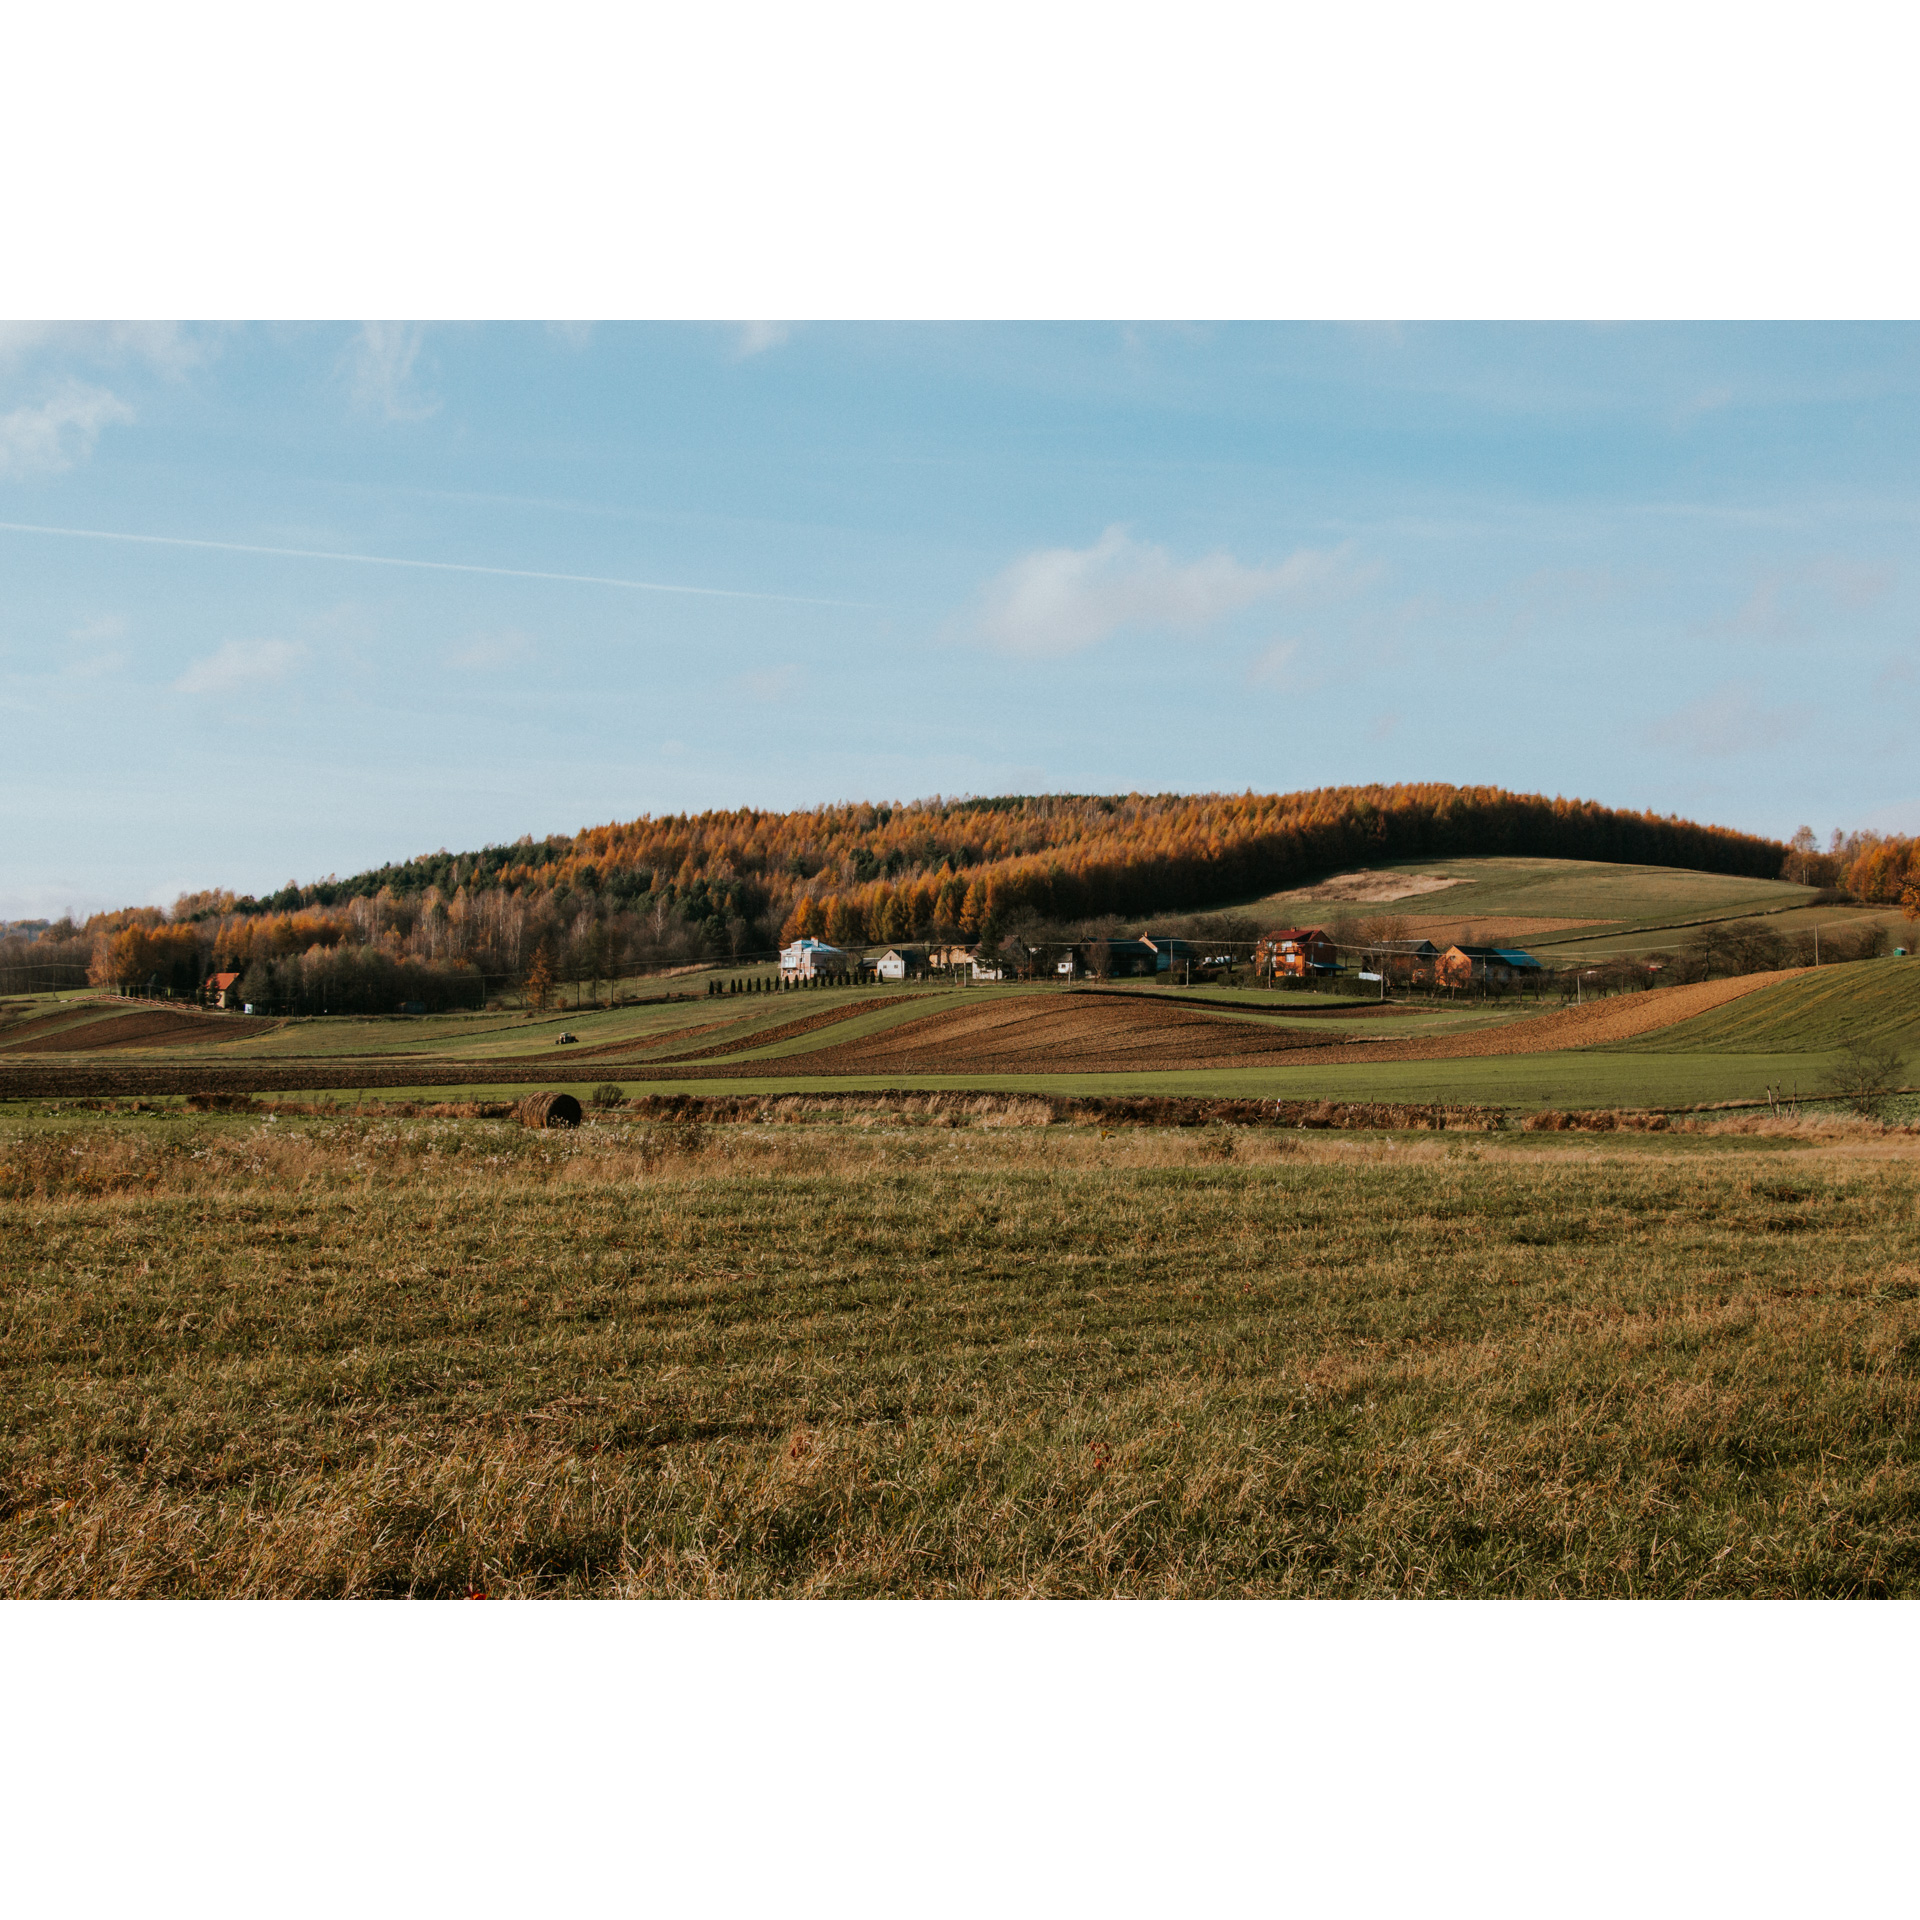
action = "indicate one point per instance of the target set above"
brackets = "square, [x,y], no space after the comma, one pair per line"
[787,1030]
[1034,1034]
[99,1031]
[1625,1016]
[1039,1033]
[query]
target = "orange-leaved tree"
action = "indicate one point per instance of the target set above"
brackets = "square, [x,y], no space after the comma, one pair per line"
[539,983]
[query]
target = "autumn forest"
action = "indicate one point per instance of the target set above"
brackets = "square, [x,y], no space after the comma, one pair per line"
[446,929]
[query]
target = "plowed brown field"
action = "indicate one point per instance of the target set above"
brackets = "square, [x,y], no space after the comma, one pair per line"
[23,1033]
[1624,1017]
[1047,1033]
[1026,1033]
[95,1032]
[786,1030]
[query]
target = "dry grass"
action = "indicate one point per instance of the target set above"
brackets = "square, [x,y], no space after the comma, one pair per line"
[932,1355]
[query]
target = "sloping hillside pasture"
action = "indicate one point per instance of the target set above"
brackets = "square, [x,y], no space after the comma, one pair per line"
[1811,1012]
[1486,893]
[1566,909]
[340,1358]
[1722,1040]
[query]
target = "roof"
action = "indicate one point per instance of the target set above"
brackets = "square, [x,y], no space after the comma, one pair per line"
[220,982]
[808,944]
[904,953]
[1509,956]
[1297,933]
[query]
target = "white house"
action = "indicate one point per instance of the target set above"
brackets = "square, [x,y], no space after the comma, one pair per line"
[902,963]
[809,959]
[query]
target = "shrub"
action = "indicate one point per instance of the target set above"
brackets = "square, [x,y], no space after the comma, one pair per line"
[1868,1073]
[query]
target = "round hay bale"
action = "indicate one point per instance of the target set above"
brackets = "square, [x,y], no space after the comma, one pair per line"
[539,1110]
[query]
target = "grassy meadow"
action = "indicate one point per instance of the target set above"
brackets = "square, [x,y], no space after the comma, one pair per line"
[1626,909]
[954,1353]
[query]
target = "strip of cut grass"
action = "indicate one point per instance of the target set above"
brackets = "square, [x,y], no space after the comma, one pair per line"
[419,1358]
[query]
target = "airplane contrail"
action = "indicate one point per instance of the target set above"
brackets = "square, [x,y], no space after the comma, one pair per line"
[428,566]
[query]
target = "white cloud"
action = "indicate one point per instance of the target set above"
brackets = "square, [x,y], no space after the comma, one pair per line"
[88,661]
[769,686]
[59,433]
[1727,723]
[760,336]
[1062,599]
[492,652]
[98,667]
[164,345]
[380,367]
[240,664]
[1792,602]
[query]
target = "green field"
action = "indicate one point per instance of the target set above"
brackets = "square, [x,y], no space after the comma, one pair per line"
[390,1357]
[1788,1037]
[1633,909]
[1875,1000]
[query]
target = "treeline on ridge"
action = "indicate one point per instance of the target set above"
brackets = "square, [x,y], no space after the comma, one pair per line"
[675,889]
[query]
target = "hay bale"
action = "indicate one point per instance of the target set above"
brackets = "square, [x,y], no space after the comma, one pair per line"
[540,1110]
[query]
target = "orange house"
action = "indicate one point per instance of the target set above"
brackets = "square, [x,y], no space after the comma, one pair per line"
[1297,951]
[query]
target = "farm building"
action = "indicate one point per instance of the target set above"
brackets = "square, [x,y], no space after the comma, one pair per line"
[1411,963]
[1114,959]
[1298,951]
[810,959]
[947,959]
[903,963]
[222,990]
[1487,967]
[1183,960]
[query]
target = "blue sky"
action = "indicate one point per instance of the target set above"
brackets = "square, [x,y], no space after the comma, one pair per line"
[1656,565]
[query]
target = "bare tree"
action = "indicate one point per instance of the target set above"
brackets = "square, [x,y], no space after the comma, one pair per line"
[1866,1076]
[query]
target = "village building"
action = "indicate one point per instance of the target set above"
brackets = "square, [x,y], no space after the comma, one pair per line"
[222,990]
[1113,959]
[1411,963]
[1479,966]
[950,958]
[1296,951]
[811,959]
[903,963]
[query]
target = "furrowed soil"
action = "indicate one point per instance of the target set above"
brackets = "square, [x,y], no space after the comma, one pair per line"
[1063,1033]
[1042,1032]
[958,1351]
[1089,1034]
[1624,1016]
[95,1031]
[788,1029]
